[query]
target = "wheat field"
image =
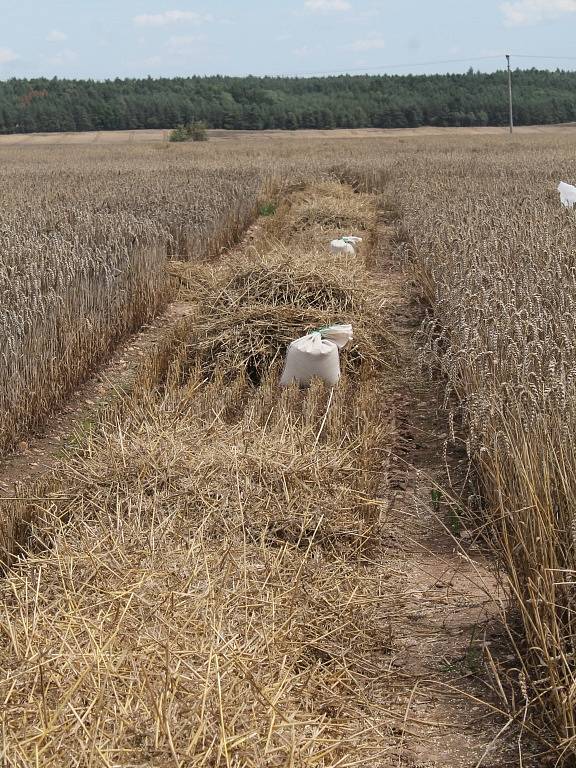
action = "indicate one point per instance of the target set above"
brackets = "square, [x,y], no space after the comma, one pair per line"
[85,240]
[206,461]
[493,253]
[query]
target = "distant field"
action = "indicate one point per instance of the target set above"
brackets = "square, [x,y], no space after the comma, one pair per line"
[158,135]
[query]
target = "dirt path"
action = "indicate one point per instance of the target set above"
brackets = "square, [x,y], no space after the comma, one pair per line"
[452,594]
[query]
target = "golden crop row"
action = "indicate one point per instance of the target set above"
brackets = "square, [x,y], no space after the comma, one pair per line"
[84,238]
[495,254]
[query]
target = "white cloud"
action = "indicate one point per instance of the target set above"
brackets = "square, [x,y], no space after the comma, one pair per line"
[369,44]
[56,36]
[171,17]
[7,55]
[525,12]
[322,6]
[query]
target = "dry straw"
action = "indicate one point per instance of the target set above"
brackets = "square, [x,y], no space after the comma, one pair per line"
[204,584]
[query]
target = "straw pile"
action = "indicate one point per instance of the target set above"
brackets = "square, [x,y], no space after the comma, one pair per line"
[252,309]
[215,599]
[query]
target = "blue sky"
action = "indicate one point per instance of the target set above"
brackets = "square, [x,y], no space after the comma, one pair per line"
[131,38]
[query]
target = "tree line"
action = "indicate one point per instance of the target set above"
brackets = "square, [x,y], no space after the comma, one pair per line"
[255,103]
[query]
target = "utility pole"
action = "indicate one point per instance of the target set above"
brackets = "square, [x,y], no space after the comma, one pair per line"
[510,94]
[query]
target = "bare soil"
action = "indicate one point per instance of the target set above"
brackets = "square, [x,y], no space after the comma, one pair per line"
[451,590]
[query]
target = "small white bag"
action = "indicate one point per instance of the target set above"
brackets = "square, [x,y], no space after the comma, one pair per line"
[567,194]
[316,354]
[341,248]
[345,245]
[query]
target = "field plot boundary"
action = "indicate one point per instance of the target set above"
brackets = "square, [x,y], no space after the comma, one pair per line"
[383,669]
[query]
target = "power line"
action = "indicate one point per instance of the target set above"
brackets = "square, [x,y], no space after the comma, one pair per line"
[537,56]
[388,66]
[405,65]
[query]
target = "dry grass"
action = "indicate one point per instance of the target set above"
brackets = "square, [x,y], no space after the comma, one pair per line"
[203,582]
[213,598]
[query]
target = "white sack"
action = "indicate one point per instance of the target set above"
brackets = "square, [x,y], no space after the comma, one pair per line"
[567,194]
[311,356]
[345,245]
[316,354]
[341,248]
[339,334]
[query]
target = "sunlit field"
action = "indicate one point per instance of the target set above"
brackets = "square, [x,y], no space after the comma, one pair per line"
[202,574]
